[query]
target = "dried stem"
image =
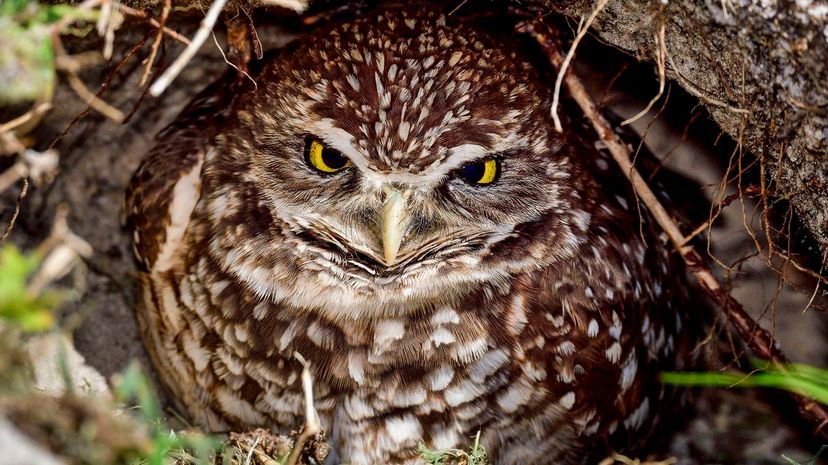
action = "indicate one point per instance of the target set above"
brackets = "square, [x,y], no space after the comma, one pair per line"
[80,88]
[153,22]
[312,426]
[162,20]
[37,111]
[160,85]
[760,341]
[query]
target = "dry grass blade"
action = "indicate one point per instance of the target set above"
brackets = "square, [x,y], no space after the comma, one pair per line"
[312,426]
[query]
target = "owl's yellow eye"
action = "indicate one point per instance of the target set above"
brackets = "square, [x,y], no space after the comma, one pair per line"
[480,173]
[324,159]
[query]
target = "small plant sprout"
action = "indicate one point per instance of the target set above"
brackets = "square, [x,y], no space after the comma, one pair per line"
[476,454]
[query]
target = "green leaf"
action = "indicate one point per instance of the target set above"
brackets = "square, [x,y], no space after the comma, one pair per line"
[31,313]
[133,384]
[475,456]
[802,379]
[26,62]
[12,7]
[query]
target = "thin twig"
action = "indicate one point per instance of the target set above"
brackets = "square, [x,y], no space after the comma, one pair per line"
[97,104]
[312,426]
[162,20]
[38,110]
[153,22]
[230,63]
[760,341]
[159,86]
[102,89]
[23,191]
[582,30]
[721,205]
[80,88]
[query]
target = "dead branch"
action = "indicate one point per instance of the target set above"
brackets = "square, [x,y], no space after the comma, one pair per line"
[760,341]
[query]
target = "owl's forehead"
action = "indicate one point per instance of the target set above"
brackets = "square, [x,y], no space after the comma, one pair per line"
[408,92]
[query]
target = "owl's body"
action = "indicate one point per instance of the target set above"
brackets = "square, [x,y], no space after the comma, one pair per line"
[534,307]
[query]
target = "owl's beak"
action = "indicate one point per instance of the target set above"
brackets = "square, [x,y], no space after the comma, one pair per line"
[394,223]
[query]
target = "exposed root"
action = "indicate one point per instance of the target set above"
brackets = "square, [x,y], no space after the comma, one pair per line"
[696,92]
[153,22]
[564,66]
[662,75]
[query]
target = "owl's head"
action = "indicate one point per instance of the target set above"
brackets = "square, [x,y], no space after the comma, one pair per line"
[401,157]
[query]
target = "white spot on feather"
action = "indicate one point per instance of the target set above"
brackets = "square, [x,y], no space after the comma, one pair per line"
[516,396]
[592,329]
[614,353]
[353,81]
[440,378]
[628,371]
[568,400]
[406,428]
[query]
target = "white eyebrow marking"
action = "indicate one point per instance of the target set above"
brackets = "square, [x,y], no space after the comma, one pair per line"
[343,141]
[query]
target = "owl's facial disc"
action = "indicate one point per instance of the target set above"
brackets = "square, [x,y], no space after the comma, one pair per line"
[395,215]
[401,159]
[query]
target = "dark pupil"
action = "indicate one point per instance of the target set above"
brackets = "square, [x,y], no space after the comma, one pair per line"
[472,172]
[333,159]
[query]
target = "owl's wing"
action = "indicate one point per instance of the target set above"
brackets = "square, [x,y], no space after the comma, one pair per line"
[166,187]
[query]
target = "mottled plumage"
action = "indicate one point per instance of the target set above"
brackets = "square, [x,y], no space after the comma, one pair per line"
[537,308]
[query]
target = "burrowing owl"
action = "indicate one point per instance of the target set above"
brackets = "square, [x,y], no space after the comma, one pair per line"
[392,202]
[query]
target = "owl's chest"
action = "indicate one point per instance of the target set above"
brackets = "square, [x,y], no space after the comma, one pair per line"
[394,351]
[437,374]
